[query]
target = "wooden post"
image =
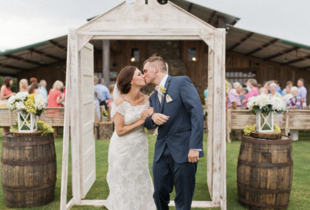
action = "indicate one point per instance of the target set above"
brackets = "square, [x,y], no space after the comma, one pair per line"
[219,131]
[106,61]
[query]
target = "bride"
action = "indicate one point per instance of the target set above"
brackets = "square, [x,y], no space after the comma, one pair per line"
[128,177]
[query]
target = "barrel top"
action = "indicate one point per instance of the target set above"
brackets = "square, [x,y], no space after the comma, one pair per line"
[284,140]
[24,134]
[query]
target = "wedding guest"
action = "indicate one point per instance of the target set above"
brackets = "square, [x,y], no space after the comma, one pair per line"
[104,92]
[267,87]
[54,97]
[244,91]
[233,100]
[246,83]
[5,94]
[23,85]
[302,91]
[34,88]
[273,91]
[205,94]
[97,97]
[42,90]
[294,103]
[111,100]
[252,83]
[32,79]
[5,91]
[284,91]
[262,90]
[287,96]
[236,84]
[278,86]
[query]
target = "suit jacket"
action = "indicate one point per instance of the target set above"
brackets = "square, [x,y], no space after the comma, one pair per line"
[184,129]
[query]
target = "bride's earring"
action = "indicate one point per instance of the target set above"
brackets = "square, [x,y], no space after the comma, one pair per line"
[131,83]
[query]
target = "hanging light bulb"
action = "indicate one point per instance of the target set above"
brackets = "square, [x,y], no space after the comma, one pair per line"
[194,59]
[285,59]
[133,59]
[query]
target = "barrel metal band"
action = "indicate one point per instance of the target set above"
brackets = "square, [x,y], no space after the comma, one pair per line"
[28,163]
[263,191]
[265,165]
[19,189]
[264,141]
[25,144]
[262,204]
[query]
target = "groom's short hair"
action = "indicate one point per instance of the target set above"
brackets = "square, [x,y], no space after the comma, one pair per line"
[158,60]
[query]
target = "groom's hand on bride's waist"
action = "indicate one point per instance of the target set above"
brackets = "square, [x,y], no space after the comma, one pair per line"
[159,119]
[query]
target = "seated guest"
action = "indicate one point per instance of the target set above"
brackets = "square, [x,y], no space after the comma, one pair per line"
[294,103]
[287,96]
[242,96]
[278,86]
[284,91]
[42,90]
[273,91]
[233,100]
[32,79]
[252,83]
[23,85]
[34,88]
[267,87]
[302,91]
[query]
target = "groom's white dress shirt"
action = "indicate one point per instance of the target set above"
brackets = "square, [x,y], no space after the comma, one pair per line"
[163,82]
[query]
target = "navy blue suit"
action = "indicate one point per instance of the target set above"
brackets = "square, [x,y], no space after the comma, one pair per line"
[182,132]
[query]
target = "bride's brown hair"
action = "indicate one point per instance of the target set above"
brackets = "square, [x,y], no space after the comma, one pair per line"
[124,78]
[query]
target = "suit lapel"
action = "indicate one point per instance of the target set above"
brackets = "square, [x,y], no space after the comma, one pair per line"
[164,99]
[157,103]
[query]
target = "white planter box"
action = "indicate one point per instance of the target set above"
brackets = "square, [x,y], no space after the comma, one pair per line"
[27,119]
[264,122]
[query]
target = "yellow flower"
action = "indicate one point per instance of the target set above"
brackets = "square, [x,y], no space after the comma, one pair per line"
[29,104]
[162,89]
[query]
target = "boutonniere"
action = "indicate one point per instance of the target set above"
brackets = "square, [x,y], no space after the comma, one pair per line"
[162,89]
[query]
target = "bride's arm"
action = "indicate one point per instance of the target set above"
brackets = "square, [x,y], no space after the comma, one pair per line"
[122,129]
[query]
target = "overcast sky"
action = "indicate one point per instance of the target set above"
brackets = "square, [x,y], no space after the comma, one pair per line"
[24,22]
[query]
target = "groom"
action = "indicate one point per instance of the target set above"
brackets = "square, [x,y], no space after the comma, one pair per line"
[178,115]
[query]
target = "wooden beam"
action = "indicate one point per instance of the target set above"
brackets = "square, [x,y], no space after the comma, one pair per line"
[241,41]
[190,7]
[210,19]
[221,22]
[298,60]
[262,47]
[281,53]
[46,55]
[26,60]
[58,45]
[13,67]
[106,61]
[7,74]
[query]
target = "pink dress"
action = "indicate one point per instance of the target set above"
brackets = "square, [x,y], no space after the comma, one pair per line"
[253,92]
[52,98]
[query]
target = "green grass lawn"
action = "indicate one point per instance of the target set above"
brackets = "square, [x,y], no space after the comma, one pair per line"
[300,193]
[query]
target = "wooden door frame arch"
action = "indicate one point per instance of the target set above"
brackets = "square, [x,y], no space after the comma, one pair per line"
[216,151]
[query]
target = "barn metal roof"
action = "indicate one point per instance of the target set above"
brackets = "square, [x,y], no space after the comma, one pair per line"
[237,40]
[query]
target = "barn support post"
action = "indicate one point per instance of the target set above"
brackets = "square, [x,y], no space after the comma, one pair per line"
[106,61]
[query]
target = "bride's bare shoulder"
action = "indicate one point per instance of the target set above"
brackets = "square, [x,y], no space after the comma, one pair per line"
[119,100]
[145,97]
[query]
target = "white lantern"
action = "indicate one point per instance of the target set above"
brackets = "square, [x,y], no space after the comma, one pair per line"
[264,122]
[27,119]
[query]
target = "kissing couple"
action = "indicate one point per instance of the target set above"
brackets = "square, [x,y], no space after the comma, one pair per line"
[175,109]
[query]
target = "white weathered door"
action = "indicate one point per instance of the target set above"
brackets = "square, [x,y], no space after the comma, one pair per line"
[87,144]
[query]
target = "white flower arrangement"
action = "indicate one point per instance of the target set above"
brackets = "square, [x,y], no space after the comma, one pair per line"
[25,102]
[265,104]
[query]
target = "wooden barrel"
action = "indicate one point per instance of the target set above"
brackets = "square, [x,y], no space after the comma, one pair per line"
[265,173]
[28,169]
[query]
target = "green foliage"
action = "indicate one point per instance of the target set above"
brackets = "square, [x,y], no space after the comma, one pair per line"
[45,128]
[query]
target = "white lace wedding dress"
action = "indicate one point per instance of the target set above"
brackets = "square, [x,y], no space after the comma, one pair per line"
[128,177]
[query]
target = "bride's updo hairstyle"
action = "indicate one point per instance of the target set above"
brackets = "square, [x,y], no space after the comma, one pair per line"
[124,78]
